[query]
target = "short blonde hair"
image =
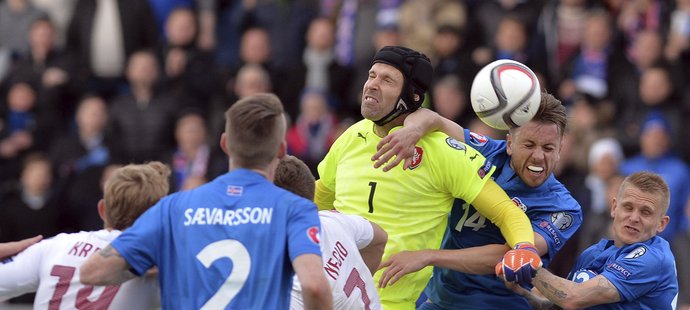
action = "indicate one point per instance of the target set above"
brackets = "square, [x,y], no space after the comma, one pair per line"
[133,189]
[648,182]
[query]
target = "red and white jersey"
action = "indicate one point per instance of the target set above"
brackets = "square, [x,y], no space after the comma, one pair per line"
[51,269]
[351,281]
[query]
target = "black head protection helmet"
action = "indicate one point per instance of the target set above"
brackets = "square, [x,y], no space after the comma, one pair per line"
[417,71]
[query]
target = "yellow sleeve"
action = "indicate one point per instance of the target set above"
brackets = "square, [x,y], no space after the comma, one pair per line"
[323,196]
[493,203]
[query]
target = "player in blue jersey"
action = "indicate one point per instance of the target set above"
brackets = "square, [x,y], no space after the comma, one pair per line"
[524,169]
[232,243]
[635,270]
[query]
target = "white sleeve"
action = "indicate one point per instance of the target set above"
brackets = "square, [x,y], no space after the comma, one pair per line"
[21,274]
[360,228]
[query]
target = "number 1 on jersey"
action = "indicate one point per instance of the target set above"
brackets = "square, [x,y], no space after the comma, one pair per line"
[371,196]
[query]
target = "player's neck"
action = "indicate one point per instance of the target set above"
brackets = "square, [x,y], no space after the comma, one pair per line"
[383,131]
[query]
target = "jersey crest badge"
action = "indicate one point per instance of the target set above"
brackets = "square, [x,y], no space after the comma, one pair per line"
[235,190]
[519,204]
[417,158]
[562,220]
[478,139]
[637,252]
[583,275]
[313,234]
[455,144]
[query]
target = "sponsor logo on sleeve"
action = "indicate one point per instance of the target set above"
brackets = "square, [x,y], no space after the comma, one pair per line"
[620,269]
[456,144]
[638,252]
[484,170]
[417,158]
[552,231]
[313,234]
[562,220]
[235,190]
[583,275]
[477,139]
[519,203]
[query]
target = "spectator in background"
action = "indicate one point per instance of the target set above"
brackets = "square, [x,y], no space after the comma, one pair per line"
[311,136]
[60,13]
[142,120]
[30,206]
[605,155]
[656,156]
[102,36]
[453,55]
[16,17]
[187,70]
[450,100]
[25,128]
[190,159]
[420,20]
[50,70]
[80,158]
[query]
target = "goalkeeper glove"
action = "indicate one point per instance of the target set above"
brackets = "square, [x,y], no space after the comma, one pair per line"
[519,265]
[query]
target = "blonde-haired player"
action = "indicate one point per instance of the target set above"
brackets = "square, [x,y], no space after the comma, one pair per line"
[51,267]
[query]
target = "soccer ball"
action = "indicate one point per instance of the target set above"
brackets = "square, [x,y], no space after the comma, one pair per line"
[505,94]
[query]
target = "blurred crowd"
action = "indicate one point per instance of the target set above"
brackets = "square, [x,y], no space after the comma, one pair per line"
[87,85]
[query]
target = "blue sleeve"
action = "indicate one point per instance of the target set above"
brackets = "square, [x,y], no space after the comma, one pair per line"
[556,228]
[633,277]
[139,244]
[485,145]
[303,229]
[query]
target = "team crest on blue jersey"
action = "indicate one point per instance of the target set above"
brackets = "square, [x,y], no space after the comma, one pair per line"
[455,144]
[583,275]
[235,190]
[519,204]
[478,139]
[637,252]
[314,235]
[483,170]
[562,220]
[417,158]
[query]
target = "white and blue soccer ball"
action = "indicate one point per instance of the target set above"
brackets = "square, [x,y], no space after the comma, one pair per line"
[505,94]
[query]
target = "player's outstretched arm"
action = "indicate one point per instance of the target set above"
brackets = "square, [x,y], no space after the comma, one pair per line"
[106,267]
[316,292]
[372,253]
[323,196]
[570,295]
[400,144]
[536,301]
[11,248]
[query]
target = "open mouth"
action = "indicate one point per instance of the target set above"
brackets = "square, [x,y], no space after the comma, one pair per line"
[370,99]
[535,169]
[631,230]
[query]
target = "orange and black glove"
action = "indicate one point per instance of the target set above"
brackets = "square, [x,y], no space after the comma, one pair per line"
[519,265]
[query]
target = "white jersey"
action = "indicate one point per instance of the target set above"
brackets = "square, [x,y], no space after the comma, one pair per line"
[51,269]
[351,281]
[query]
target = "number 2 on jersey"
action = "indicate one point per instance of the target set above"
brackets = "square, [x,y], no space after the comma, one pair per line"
[241,263]
[476,221]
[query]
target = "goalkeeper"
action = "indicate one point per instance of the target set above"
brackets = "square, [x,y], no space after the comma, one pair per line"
[463,273]
[412,205]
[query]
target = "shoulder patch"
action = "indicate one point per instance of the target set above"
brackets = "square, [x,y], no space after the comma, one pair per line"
[477,139]
[562,220]
[519,204]
[583,275]
[483,170]
[638,252]
[417,157]
[455,144]
[313,234]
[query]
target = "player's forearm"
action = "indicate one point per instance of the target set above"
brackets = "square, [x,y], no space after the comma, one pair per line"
[475,260]
[323,196]
[495,205]
[372,253]
[538,303]
[317,297]
[106,267]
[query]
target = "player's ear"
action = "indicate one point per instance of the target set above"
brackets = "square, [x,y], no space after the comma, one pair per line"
[224,143]
[614,205]
[662,225]
[282,150]
[101,209]
[509,144]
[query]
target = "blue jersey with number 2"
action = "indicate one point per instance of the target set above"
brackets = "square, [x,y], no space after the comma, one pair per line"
[644,273]
[225,245]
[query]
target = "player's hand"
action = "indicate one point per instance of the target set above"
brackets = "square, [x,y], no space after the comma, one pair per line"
[519,265]
[11,248]
[400,264]
[400,144]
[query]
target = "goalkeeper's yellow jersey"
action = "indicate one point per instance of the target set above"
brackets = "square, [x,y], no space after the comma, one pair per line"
[411,205]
